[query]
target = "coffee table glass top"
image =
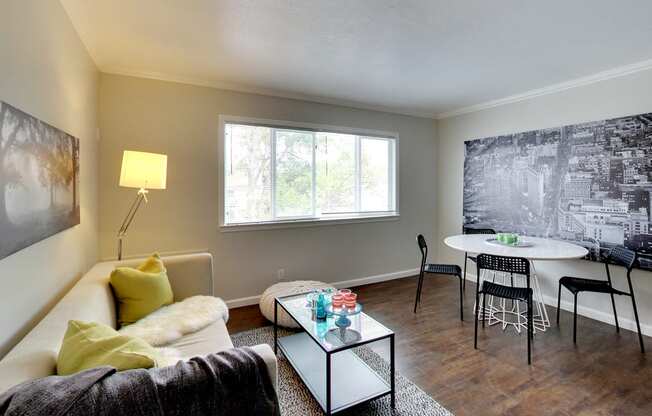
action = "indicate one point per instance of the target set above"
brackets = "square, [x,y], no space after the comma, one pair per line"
[326,333]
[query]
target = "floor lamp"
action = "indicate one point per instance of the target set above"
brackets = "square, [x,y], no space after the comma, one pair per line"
[143,171]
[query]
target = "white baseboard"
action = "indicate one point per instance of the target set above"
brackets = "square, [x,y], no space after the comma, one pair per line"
[586,311]
[253,300]
[247,301]
[601,316]
[376,279]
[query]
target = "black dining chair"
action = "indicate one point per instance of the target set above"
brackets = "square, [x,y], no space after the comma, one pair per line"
[512,265]
[472,230]
[618,256]
[448,269]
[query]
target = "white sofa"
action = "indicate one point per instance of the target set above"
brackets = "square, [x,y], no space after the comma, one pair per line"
[91,299]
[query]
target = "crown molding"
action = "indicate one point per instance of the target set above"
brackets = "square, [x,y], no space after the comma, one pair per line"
[228,86]
[551,89]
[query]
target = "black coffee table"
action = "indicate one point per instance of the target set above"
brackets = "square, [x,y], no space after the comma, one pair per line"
[322,357]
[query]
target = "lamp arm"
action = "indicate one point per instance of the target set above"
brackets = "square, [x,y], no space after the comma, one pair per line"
[140,197]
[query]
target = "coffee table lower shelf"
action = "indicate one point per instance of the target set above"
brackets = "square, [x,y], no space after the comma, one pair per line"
[352,380]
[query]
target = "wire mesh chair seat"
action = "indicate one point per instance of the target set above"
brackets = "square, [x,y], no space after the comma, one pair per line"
[578,284]
[446,269]
[472,230]
[452,269]
[506,292]
[512,265]
[618,256]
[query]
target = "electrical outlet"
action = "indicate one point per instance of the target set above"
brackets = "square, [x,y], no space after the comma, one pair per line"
[280,274]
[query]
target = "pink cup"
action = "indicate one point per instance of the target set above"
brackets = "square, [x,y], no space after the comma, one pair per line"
[350,300]
[350,297]
[344,292]
[338,301]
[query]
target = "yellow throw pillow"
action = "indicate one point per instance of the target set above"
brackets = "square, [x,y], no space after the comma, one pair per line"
[141,291]
[90,344]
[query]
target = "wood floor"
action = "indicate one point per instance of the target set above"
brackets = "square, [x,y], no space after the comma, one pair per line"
[605,374]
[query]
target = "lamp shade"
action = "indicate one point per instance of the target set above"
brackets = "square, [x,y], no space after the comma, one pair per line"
[143,170]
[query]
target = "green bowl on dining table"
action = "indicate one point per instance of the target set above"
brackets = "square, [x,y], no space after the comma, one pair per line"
[507,238]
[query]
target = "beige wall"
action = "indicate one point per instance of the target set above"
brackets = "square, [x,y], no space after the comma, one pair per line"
[46,71]
[182,121]
[613,98]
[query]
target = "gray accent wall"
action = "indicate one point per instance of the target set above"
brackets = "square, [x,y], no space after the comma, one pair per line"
[46,71]
[617,97]
[182,121]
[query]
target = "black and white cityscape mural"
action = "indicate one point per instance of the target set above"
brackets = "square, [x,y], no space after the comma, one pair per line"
[39,180]
[587,183]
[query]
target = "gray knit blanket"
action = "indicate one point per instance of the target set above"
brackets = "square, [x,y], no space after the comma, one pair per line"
[231,382]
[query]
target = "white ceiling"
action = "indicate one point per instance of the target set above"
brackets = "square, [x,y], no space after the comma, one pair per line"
[423,57]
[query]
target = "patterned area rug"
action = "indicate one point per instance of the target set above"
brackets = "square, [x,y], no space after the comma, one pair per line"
[296,400]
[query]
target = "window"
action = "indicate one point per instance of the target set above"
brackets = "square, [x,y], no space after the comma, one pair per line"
[276,173]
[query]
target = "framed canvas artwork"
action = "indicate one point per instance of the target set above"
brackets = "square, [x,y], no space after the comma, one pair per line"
[587,183]
[39,180]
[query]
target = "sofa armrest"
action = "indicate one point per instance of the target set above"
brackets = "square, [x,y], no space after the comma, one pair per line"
[189,274]
[267,354]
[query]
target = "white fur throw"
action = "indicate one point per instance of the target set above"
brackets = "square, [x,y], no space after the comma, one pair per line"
[171,322]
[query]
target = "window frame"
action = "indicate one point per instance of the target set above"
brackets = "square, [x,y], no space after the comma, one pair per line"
[329,219]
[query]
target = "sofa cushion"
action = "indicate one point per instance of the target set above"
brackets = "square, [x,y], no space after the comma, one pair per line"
[35,355]
[91,300]
[141,291]
[213,338]
[90,344]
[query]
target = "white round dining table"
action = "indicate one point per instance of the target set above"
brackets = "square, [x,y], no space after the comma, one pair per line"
[533,248]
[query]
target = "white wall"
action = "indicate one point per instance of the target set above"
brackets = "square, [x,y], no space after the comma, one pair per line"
[46,71]
[182,121]
[612,98]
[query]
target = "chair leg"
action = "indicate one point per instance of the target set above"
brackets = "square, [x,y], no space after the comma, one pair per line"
[575,320]
[466,258]
[461,299]
[530,330]
[417,299]
[558,302]
[638,325]
[483,308]
[613,304]
[477,311]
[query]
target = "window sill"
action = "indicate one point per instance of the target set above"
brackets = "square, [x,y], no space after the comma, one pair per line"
[311,222]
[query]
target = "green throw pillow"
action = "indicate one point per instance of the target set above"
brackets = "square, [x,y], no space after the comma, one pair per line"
[90,344]
[141,291]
